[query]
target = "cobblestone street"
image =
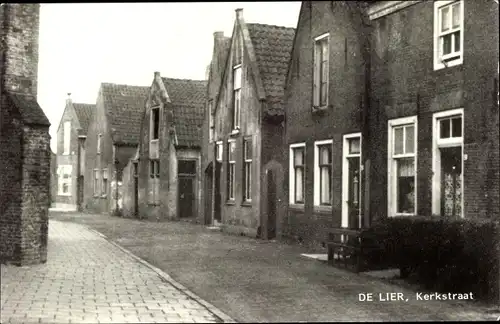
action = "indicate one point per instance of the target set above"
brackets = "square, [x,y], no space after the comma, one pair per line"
[89,280]
[260,281]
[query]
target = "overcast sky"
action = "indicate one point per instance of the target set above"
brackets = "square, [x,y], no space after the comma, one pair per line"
[82,45]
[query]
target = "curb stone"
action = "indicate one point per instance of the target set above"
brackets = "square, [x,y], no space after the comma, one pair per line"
[212,309]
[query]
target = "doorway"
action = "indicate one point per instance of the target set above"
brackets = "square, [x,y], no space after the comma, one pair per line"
[451,184]
[208,192]
[217,192]
[186,172]
[271,205]
[136,190]
[351,182]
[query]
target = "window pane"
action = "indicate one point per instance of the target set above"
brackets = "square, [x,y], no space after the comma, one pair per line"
[354,146]
[299,185]
[231,151]
[324,94]
[248,150]
[324,49]
[457,41]
[410,139]
[298,156]
[444,125]
[237,78]
[446,44]
[325,156]
[456,127]
[456,15]
[325,175]
[445,19]
[406,185]
[398,140]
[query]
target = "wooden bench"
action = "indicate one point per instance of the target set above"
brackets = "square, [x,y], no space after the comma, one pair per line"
[350,248]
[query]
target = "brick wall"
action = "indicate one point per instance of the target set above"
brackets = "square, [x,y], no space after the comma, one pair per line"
[346,93]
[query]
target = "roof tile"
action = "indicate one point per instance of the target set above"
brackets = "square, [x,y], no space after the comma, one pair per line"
[84,113]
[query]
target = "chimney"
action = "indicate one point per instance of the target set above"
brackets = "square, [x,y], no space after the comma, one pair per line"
[218,34]
[68,100]
[239,13]
[157,74]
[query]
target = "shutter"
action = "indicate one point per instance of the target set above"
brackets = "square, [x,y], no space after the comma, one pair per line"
[315,76]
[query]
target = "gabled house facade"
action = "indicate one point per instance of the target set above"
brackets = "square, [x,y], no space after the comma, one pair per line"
[71,136]
[113,137]
[214,77]
[248,119]
[392,110]
[24,140]
[164,181]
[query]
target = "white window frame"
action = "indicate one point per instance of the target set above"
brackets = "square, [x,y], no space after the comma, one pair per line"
[96,178]
[65,169]
[438,57]
[291,174]
[237,98]
[66,138]
[211,125]
[247,165]
[154,181]
[317,78]
[104,184]
[219,151]
[231,164]
[438,143]
[317,173]
[99,143]
[345,177]
[391,165]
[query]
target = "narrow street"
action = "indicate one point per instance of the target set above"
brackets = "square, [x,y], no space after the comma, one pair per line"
[254,280]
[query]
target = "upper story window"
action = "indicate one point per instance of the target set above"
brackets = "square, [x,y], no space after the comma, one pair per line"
[218,151]
[247,169]
[66,137]
[448,33]
[155,123]
[236,96]
[321,75]
[99,143]
[210,121]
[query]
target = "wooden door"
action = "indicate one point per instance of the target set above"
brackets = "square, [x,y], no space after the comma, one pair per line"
[353,192]
[271,205]
[217,192]
[186,197]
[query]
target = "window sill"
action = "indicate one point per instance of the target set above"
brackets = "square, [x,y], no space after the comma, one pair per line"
[64,194]
[246,203]
[402,215]
[319,109]
[103,196]
[322,209]
[234,132]
[296,206]
[231,202]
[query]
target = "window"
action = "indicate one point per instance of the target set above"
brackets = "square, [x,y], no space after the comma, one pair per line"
[154,182]
[96,182]
[231,153]
[218,151]
[155,123]
[187,167]
[236,96]
[99,143]
[211,122]
[448,33]
[65,176]
[447,164]
[297,173]
[66,137]
[402,166]
[247,170]
[323,173]
[104,188]
[320,87]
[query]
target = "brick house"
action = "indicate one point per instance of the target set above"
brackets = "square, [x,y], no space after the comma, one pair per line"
[112,139]
[382,115]
[214,76]
[24,140]
[248,118]
[53,178]
[167,165]
[71,136]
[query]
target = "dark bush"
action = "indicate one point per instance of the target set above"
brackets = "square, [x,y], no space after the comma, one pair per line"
[443,254]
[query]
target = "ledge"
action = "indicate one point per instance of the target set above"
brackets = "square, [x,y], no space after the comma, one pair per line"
[296,207]
[230,202]
[246,204]
[234,132]
[384,8]
[323,209]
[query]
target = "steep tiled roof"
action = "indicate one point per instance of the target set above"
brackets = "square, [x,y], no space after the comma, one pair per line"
[124,106]
[84,113]
[188,100]
[272,46]
[29,109]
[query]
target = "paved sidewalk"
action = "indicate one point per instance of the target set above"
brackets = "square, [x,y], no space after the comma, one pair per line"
[261,281]
[89,280]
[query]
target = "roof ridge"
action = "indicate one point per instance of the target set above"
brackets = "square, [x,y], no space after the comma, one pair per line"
[124,85]
[178,79]
[271,25]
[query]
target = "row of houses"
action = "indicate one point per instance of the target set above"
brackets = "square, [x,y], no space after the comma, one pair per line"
[366,110]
